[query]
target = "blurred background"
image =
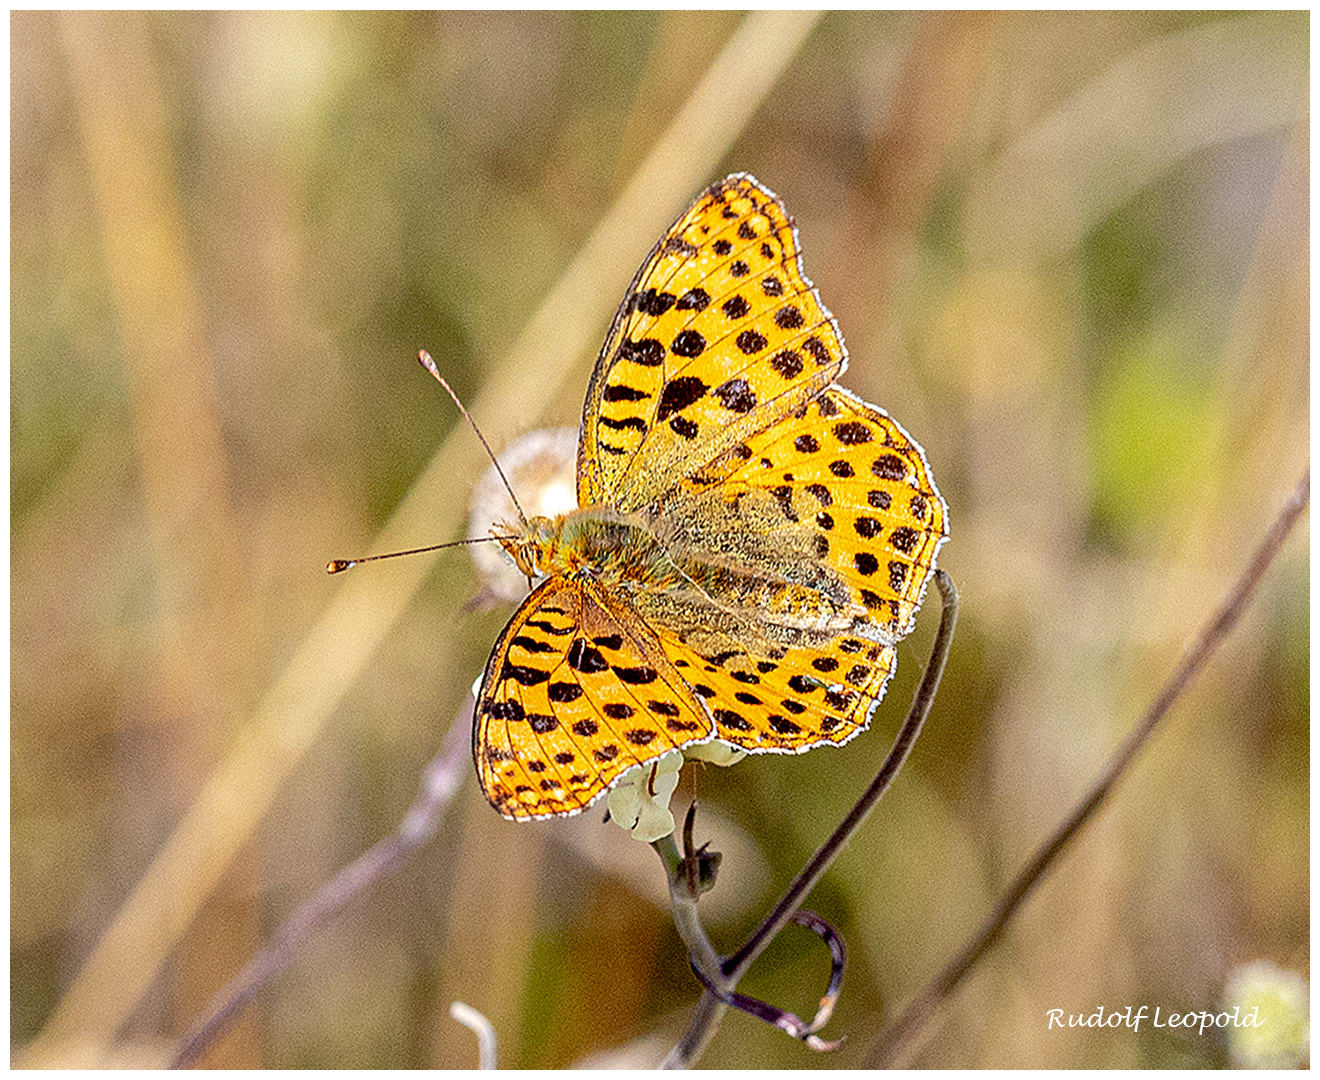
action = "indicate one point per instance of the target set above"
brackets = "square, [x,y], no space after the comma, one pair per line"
[1068,252]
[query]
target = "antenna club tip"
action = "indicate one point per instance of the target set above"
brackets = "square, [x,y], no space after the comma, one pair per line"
[337,566]
[424,358]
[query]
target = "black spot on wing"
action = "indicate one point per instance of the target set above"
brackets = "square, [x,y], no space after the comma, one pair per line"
[582,657]
[693,300]
[736,396]
[688,344]
[678,394]
[648,352]
[619,392]
[524,676]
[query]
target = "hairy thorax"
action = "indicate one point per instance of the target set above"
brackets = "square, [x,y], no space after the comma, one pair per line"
[643,556]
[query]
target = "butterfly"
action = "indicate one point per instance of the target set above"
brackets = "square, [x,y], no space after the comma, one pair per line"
[751,543]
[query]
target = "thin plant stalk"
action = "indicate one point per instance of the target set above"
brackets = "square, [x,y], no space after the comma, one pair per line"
[723,975]
[891,1048]
[440,782]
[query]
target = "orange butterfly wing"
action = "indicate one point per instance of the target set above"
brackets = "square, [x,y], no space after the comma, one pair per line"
[720,335]
[808,522]
[574,695]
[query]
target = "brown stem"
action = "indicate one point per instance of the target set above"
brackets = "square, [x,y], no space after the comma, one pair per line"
[889,1049]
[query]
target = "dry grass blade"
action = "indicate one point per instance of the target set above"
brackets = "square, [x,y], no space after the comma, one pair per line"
[441,781]
[554,344]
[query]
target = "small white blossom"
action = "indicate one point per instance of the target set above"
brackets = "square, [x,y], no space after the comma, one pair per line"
[716,753]
[1278,1001]
[639,802]
[541,466]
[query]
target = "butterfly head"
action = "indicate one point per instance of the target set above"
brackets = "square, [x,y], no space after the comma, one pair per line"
[529,544]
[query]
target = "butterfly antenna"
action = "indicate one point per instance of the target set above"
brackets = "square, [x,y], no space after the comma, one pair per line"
[429,364]
[338,566]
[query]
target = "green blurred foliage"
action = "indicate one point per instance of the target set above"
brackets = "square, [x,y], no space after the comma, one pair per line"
[1114,419]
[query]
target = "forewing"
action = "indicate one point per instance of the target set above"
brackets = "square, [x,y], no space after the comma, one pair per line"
[720,335]
[570,701]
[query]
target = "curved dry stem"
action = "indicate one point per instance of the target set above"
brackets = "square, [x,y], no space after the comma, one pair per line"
[891,1049]
[782,1019]
[721,981]
[487,1044]
[440,782]
[736,965]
